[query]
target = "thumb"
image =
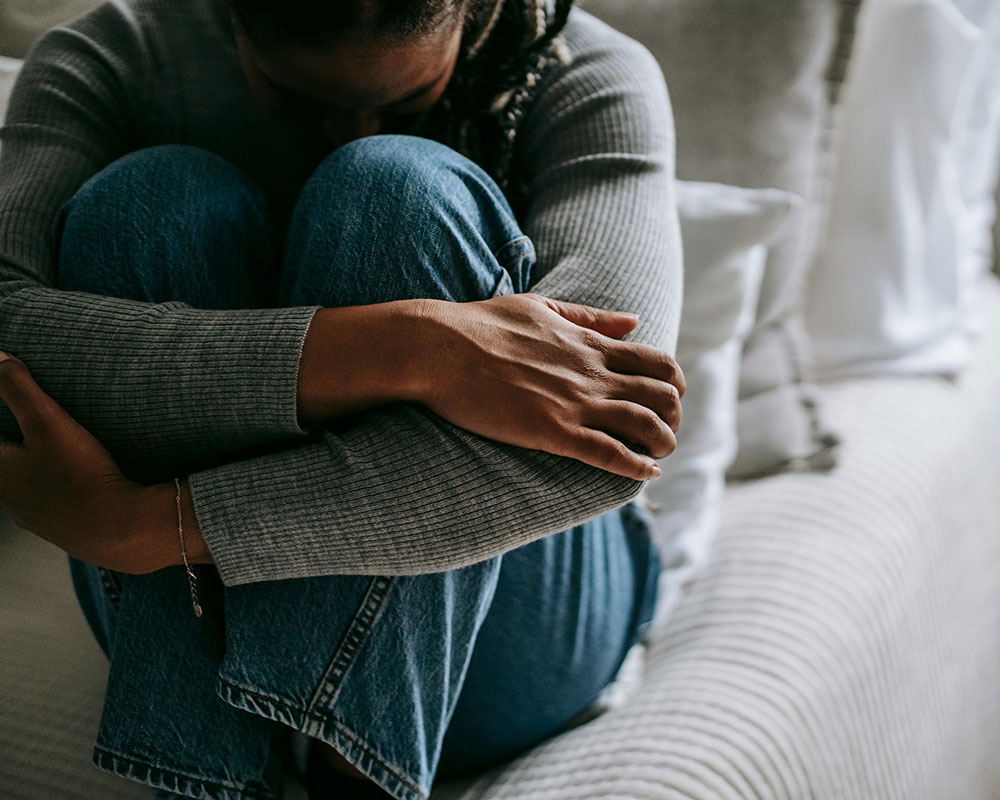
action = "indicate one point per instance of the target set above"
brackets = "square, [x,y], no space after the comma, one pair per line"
[31,407]
[611,323]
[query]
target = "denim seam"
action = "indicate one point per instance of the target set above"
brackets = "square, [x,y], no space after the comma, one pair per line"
[321,726]
[329,685]
[141,771]
[318,717]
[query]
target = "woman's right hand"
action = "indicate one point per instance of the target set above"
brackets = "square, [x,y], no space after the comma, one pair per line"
[548,375]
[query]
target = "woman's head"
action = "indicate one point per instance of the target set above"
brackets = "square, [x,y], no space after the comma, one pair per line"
[354,66]
[464,71]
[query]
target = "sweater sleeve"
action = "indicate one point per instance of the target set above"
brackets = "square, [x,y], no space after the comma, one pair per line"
[158,384]
[400,490]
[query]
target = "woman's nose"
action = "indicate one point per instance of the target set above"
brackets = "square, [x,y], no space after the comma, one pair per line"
[342,127]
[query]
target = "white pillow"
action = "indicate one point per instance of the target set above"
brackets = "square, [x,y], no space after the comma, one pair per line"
[724,230]
[890,289]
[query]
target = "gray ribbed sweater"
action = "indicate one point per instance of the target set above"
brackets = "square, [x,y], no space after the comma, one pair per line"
[402,491]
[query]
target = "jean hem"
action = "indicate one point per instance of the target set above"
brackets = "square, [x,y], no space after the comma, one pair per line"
[328,730]
[175,781]
[516,249]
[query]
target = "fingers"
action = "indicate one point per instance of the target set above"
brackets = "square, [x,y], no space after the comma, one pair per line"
[614,324]
[634,423]
[662,397]
[630,358]
[601,450]
[32,408]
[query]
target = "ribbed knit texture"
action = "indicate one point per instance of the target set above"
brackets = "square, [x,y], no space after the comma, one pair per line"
[163,385]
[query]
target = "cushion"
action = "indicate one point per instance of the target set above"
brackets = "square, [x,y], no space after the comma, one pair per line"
[724,230]
[752,85]
[909,230]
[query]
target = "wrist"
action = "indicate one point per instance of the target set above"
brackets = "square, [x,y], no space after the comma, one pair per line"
[154,540]
[361,357]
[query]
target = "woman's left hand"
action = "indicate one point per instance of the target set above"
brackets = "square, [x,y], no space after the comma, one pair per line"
[63,485]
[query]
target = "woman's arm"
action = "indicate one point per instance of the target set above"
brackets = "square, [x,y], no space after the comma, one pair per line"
[401,490]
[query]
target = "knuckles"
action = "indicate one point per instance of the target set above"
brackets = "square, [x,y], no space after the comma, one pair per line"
[672,410]
[665,446]
[661,441]
[652,432]
[614,457]
[594,341]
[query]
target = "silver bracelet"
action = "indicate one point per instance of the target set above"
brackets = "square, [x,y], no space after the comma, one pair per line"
[192,579]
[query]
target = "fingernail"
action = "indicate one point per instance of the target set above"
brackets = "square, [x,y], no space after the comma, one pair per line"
[657,472]
[4,356]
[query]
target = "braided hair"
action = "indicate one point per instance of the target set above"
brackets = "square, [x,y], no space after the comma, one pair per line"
[495,83]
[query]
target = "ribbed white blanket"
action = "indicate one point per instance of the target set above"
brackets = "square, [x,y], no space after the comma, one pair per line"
[844,642]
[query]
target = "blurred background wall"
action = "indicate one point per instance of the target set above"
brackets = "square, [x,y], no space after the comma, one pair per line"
[22,20]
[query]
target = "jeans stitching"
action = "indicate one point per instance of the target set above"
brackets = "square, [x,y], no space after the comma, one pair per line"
[325,726]
[135,769]
[330,683]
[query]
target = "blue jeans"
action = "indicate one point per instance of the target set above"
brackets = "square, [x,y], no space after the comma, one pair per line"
[410,678]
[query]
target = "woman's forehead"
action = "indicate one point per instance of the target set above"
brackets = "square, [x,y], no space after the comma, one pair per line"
[368,72]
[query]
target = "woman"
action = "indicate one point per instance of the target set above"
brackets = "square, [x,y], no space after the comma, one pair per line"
[284,253]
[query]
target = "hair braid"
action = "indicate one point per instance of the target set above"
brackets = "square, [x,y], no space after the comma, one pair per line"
[494,84]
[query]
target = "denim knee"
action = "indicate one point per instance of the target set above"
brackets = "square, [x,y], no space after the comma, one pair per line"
[390,217]
[171,222]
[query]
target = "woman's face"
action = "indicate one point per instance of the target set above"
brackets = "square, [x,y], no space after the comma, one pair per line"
[353,89]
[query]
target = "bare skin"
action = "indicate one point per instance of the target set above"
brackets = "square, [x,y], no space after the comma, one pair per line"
[559,376]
